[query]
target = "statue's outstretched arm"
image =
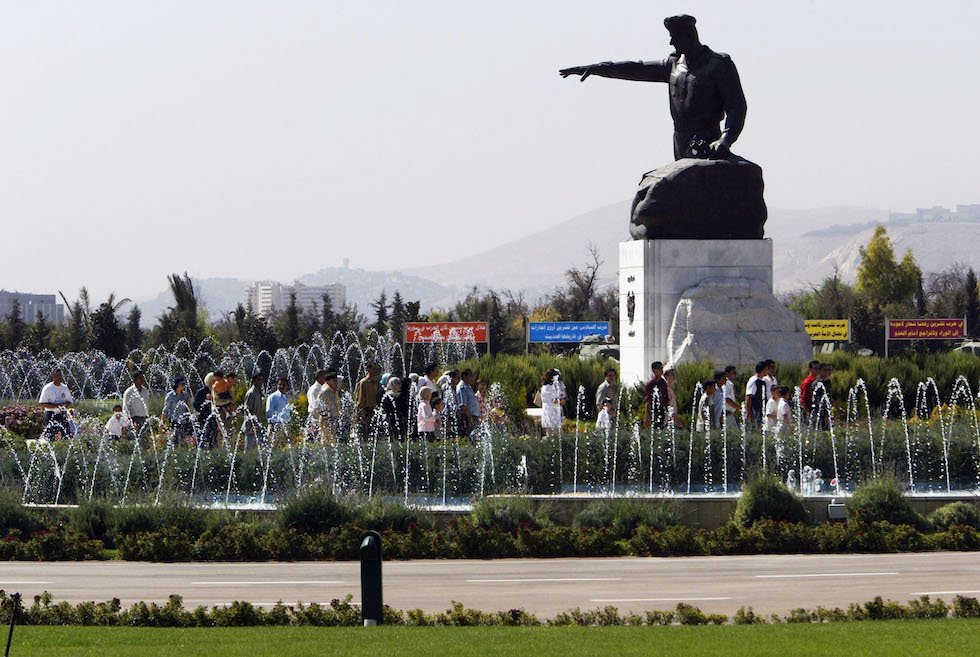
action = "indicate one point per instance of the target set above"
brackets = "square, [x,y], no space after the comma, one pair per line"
[640,71]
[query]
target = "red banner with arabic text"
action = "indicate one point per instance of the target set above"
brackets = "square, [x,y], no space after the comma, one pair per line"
[420,332]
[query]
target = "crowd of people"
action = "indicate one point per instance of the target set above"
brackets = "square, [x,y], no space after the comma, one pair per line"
[765,405]
[450,404]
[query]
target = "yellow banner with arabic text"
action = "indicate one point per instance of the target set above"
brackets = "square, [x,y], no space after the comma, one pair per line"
[837,330]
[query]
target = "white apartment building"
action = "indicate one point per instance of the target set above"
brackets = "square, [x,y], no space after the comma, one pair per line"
[269,296]
[51,310]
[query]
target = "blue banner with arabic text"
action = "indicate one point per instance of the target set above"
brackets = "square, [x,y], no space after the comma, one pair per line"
[565,331]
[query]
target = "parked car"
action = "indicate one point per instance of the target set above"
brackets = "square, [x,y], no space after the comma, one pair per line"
[597,346]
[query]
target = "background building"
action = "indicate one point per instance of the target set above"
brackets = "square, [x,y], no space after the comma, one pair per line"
[52,311]
[267,297]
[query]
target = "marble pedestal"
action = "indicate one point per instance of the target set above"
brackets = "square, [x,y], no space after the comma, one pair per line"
[736,280]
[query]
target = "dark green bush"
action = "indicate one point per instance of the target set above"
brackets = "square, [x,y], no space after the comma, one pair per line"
[13,516]
[94,519]
[767,498]
[883,500]
[315,510]
[151,517]
[626,514]
[380,515]
[508,513]
[955,514]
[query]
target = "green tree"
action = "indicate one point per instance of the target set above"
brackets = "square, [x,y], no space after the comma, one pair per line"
[832,299]
[413,312]
[255,330]
[881,277]
[38,335]
[380,306]
[309,323]
[349,319]
[106,334]
[184,313]
[77,328]
[328,320]
[289,323]
[397,320]
[15,325]
[972,292]
[947,292]
[920,298]
[134,333]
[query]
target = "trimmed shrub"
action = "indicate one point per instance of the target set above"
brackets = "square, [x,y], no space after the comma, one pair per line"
[508,513]
[883,500]
[395,516]
[14,517]
[624,515]
[93,519]
[150,517]
[768,498]
[955,514]
[315,510]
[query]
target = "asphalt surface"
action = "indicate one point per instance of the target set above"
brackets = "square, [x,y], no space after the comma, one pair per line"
[543,586]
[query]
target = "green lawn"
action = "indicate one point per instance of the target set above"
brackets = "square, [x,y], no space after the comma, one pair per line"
[918,638]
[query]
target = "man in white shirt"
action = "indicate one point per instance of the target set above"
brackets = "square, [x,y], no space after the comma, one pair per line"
[136,402]
[56,399]
[755,395]
[733,416]
[330,406]
[432,373]
[313,399]
[705,406]
[770,378]
[784,413]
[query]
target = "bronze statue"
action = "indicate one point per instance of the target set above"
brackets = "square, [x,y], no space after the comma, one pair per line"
[704,88]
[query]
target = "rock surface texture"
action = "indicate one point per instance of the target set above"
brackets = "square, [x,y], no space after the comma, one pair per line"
[735,320]
[700,199]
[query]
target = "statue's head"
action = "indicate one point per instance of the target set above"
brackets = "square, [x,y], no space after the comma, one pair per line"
[683,33]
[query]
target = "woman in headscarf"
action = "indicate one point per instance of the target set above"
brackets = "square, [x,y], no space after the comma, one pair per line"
[389,407]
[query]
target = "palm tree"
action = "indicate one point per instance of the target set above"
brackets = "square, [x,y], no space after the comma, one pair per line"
[185,305]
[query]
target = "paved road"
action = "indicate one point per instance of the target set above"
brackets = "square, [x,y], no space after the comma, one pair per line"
[545,586]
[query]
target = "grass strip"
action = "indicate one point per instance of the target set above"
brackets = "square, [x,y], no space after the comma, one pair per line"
[948,638]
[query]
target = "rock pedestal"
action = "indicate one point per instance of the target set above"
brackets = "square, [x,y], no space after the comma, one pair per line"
[700,199]
[700,299]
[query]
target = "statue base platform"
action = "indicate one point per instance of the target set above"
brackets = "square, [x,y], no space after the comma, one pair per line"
[702,300]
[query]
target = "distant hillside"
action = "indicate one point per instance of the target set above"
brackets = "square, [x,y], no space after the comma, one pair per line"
[365,286]
[538,262]
[806,244]
[219,296]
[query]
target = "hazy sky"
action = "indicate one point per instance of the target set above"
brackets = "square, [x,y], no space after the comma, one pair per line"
[269,139]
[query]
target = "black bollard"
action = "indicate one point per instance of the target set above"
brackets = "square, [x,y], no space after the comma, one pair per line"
[372,598]
[13,619]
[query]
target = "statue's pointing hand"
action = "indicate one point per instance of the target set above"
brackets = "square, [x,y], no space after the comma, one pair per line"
[584,71]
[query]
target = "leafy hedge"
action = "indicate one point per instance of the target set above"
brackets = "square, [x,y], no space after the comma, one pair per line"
[463,539]
[342,613]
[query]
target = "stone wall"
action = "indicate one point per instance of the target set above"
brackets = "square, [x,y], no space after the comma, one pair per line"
[654,274]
